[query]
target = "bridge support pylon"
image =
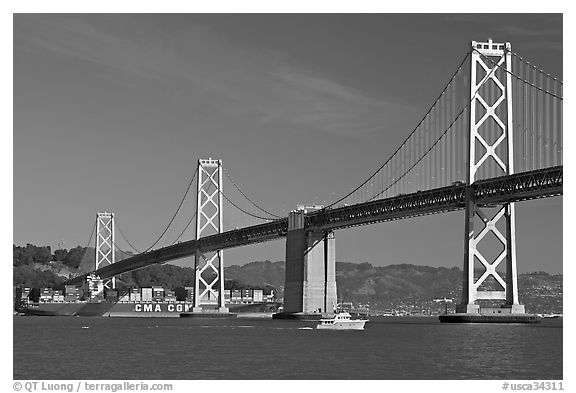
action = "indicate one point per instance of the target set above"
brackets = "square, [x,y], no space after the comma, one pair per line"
[310,287]
[209,266]
[105,247]
[490,153]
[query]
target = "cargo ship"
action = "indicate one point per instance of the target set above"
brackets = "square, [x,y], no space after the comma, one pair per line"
[105,309]
[127,309]
[95,300]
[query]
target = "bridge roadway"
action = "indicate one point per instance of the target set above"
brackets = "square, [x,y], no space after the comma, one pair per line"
[510,188]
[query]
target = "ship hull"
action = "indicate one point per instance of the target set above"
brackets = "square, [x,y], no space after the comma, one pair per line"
[127,309]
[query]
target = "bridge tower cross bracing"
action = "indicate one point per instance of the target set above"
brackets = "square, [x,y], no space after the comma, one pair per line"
[105,246]
[498,154]
[209,267]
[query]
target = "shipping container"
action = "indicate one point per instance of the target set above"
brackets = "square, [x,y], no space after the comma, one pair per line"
[135,297]
[258,295]
[70,290]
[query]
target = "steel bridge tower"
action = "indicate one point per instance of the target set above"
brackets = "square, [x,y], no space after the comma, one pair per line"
[490,150]
[105,247]
[209,267]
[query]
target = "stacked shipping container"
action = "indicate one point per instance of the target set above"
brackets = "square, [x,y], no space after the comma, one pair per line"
[147,294]
[46,295]
[71,294]
[157,294]
[135,295]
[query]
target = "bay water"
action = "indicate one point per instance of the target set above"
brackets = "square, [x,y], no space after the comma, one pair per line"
[390,348]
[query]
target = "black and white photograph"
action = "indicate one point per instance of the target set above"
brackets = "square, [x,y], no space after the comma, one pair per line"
[290,196]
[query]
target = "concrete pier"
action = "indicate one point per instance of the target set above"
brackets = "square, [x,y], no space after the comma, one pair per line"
[488,318]
[310,286]
[476,314]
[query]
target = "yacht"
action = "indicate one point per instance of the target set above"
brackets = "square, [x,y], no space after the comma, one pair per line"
[341,321]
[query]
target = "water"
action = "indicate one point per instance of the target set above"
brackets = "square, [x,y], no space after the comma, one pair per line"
[185,349]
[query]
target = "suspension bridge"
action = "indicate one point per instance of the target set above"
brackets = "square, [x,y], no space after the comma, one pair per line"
[492,138]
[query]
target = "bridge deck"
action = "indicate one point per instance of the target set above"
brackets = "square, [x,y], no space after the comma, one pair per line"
[505,189]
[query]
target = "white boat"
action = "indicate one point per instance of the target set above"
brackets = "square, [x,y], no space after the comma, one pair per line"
[341,321]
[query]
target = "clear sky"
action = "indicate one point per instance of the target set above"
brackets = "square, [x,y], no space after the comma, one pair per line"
[112,112]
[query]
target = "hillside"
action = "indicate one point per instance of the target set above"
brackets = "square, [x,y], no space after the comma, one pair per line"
[261,273]
[404,286]
[385,285]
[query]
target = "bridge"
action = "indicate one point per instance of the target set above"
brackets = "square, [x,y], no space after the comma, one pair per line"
[492,138]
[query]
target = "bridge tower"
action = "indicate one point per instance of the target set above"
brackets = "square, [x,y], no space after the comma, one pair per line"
[490,153]
[310,285]
[209,267]
[105,247]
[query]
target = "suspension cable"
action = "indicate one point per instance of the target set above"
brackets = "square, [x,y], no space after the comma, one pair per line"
[122,251]
[536,68]
[244,211]
[184,230]
[89,240]
[124,237]
[486,77]
[86,248]
[423,156]
[245,196]
[409,136]
[176,213]
[91,235]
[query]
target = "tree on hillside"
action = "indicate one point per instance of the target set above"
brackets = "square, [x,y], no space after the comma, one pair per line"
[60,255]
[27,276]
[17,256]
[74,257]
[30,254]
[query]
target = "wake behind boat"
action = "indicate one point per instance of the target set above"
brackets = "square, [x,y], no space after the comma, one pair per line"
[341,321]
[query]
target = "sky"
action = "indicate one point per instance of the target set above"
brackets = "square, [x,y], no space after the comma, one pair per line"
[112,112]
